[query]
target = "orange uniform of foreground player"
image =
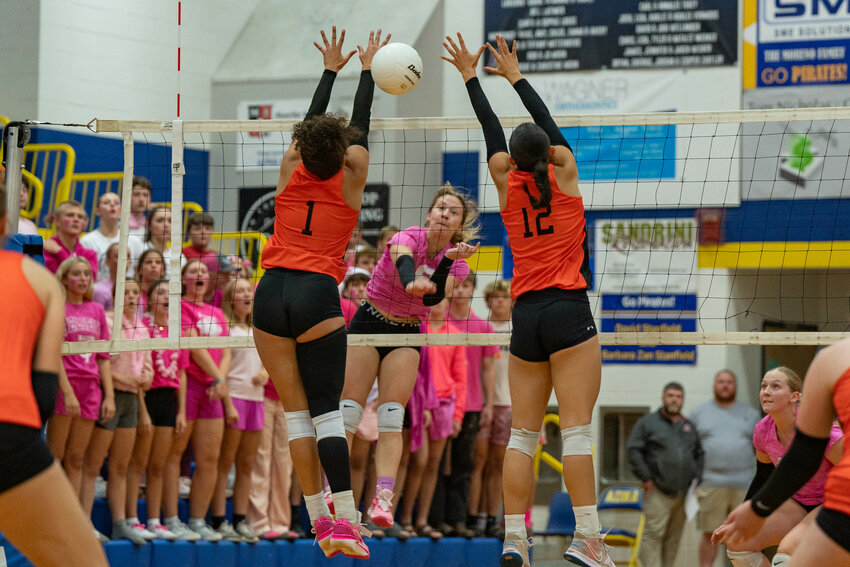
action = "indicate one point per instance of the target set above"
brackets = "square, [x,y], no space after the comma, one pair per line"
[312,226]
[838,481]
[549,245]
[17,342]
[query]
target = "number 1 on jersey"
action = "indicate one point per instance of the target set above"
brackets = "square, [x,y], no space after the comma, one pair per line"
[307,231]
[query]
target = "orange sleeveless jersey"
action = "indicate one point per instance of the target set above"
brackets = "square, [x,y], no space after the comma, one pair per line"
[21,315]
[312,226]
[549,245]
[838,482]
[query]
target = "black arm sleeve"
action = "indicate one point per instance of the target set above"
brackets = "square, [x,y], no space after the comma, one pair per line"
[537,108]
[441,274]
[44,388]
[798,465]
[362,111]
[319,104]
[406,269]
[494,137]
[763,471]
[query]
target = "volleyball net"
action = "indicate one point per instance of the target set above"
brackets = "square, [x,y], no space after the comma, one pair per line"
[704,228]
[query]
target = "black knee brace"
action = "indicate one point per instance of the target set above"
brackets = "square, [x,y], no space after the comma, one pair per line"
[322,366]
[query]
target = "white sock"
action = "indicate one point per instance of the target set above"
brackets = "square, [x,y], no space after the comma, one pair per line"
[197,521]
[132,521]
[172,520]
[515,524]
[344,506]
[780,559]
[587,521]
[153,522]
[316,506]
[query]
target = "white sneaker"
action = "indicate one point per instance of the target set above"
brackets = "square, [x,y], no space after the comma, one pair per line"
[515,551]
[204,530]
[588,552]
[182,531]
[228,533]
[100,537]
[141,530]
[99,487]
[161,532]
[244,530]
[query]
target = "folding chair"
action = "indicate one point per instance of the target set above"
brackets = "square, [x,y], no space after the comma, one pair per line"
[623,506]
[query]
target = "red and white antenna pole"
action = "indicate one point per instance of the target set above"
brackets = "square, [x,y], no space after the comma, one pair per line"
[179,22]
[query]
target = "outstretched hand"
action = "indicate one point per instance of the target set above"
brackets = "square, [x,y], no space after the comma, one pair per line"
[372,47]
[332,51]
[462,251]
[461,57]
[507,64]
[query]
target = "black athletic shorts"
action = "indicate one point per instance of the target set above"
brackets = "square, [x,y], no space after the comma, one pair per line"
[162,406]
[23,454]
[836,525]
[550,320]
[288,303]
[807,507]
[369,321]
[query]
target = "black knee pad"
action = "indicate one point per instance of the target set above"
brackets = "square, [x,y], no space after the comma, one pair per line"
[322,366]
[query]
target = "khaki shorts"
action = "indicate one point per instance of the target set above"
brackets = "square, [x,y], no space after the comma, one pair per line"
[715,503]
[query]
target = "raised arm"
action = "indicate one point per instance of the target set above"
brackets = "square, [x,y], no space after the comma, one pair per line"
[466,62]
[507,66]
[362,111]
[334,61]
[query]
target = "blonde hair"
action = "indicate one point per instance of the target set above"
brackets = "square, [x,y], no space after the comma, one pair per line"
[498,286]
[471,224]
[795,383]
[64,205]
[227,304]
[66,267]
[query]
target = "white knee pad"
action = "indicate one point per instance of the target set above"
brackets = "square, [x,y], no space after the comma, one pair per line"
[390,417]
[352,413]
[576,441]
[299,424]
[780,559]
[524,441]
[329,425]
[745,558]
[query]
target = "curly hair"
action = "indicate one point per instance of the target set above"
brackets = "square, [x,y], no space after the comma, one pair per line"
[322,141]
[471,223]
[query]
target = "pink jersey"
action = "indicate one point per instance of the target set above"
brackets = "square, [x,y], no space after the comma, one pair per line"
[209,321]
[131,363]
[474,356]
[84,322]
[167,364]
[766,441]
[384,289]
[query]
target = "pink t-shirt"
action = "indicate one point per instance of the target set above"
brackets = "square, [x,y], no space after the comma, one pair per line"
[349,308]
[270,392]
[766,441]
[209,321]
[52,260]
[84,322]
[131,363]
[474,355]
[448,369]
[384,289]
[167,364]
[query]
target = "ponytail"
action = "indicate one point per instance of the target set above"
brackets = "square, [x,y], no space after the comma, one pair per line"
[541,180]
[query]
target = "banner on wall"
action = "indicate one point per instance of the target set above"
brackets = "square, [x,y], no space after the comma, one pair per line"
[796,43]
[796,160]
[265,149]
[649,313]
[565,35]
[648,255]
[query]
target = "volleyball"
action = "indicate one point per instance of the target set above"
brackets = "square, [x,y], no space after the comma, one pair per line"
[396,68]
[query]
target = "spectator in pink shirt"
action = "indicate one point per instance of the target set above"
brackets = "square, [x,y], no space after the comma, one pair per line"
[70,220]
[445,368]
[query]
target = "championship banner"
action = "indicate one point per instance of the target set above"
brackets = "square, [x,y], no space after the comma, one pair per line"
[565,35]
[796,43]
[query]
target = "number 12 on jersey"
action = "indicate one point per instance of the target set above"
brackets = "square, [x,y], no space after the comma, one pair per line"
[541,230]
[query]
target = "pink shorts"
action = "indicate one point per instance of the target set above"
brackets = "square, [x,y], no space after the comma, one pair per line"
[89,395]
[441,420]
[198,403]
[252,415]
[368,429]
[499,430]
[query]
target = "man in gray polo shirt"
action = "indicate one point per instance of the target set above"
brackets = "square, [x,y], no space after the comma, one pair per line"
[725,429]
